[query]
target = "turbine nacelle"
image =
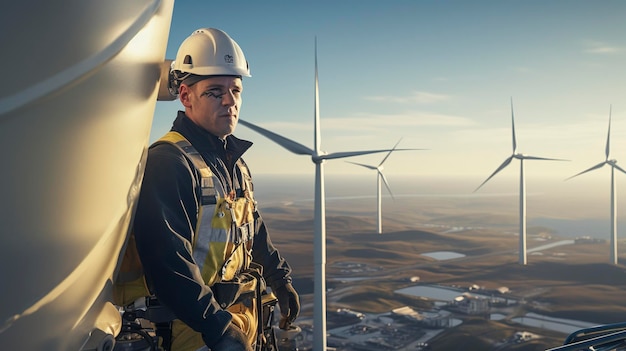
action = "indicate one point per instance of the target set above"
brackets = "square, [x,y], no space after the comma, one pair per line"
[319,158]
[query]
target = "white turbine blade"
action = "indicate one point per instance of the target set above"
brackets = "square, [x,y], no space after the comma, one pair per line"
[619,168]
[316,110]
[502,166]
[363,165]
[527,157]
[334,155]
[513,127]
[386,184]
[608,136]
[394,147]
[288,144]
[599,165]
[407,149]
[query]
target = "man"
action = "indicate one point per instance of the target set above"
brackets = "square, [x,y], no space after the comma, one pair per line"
[205,251]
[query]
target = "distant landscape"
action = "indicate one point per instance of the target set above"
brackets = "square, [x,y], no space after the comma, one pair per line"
[571,281]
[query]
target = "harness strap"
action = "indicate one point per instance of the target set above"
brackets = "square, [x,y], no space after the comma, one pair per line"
[209,194]
[211,198]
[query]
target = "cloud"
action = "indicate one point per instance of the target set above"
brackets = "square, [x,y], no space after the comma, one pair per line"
[417,97]
[597,47]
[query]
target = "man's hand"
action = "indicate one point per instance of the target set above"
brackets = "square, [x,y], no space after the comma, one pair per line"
[289,304]
[233,339]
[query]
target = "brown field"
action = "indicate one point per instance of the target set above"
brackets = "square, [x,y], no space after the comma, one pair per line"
[572,281]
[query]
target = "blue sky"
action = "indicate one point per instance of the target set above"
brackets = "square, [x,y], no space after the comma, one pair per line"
[439,74]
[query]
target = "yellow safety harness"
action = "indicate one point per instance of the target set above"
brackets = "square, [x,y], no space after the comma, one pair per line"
[222,247]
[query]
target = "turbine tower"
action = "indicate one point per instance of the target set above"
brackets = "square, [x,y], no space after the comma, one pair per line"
[614,166]
[380,178]
[522,187]
[318,157]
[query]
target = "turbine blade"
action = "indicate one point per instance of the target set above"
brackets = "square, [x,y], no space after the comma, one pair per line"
[334,155]
[527,157]
[384,159]
[316,110]
[608,136]
[386,184]
[288,144]
[599,165]
[619,168]
[502,166]
[363,165]
[513,127]
[407,149]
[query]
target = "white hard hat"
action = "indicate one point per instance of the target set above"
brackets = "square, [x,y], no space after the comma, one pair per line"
[208,52]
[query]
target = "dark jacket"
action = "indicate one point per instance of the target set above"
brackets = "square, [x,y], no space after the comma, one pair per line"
[166,218]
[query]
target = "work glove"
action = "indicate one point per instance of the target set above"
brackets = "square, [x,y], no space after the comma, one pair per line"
[289,304]
[233,339]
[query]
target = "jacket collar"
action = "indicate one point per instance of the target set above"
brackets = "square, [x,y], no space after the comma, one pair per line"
[204,141]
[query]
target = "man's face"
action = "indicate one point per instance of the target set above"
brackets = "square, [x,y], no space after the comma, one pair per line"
[213,103]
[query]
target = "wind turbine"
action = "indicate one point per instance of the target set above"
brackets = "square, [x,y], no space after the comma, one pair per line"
[380,178]
[318,157]
[522,187]
[614,166]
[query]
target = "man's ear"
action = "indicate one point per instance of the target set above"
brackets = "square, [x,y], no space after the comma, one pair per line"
[183,95]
